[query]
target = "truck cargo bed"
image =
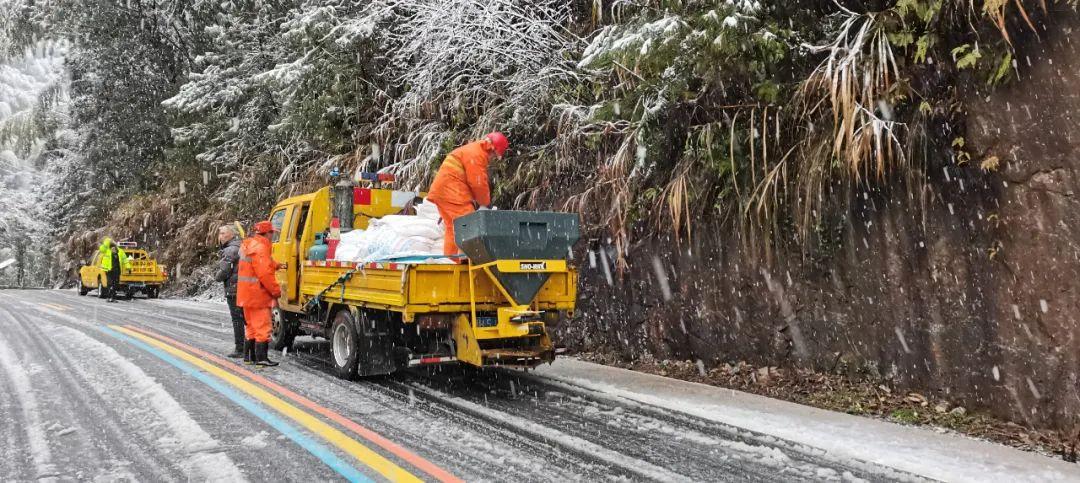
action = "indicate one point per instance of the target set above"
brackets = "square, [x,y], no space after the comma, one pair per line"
[422,288]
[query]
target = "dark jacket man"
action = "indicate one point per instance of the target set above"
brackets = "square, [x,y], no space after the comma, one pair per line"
[229,241]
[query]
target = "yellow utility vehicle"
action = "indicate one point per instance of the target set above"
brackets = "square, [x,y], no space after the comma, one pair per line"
[145,276]
[493,309]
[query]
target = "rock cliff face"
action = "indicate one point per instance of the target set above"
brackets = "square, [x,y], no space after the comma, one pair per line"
[969,287]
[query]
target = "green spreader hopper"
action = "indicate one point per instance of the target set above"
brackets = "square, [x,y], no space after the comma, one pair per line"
[531,238]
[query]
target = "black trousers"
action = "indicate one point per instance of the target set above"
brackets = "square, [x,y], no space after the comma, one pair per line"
[113,281]
[237,315]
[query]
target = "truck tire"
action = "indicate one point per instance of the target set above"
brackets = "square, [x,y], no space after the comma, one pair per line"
[82,288]
[101,288]
[151,292]
[282,330]
[344,350]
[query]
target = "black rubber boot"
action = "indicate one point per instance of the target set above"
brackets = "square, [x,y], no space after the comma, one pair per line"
[261,348]
[236,353]
[249,351]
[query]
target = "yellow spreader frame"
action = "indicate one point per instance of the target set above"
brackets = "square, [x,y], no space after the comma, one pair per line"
[514,321]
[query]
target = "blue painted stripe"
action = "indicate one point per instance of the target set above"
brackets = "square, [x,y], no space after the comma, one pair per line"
[322,452]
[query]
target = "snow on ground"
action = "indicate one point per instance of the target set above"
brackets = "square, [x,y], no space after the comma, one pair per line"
[148,407]
[841,436]
[19,376]
[643,468]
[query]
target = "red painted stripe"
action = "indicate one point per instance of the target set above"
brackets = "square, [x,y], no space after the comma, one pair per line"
[413,459]
[432,360]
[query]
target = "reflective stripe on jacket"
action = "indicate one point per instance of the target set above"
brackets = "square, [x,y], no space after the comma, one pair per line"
[256,285]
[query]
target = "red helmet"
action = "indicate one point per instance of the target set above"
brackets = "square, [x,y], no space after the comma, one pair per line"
[264,227]
[499,142]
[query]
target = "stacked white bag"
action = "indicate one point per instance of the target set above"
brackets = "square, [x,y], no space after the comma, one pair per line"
[395,236]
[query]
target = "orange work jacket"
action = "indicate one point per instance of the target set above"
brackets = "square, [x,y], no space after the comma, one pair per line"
[256,285]
[463,177]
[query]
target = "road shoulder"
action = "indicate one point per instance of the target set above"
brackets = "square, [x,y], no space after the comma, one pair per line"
[920,451]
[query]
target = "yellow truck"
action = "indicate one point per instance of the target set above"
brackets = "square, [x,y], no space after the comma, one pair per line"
[145,276]
[493,309]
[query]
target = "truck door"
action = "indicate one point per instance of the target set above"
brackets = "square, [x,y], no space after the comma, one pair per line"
[280,241]
[295,234]
[92,273]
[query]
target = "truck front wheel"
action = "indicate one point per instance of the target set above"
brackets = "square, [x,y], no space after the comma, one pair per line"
[343,345]
[282,330]
[82,288]
[101,293]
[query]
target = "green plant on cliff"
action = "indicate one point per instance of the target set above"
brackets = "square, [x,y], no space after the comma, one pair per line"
[773,115]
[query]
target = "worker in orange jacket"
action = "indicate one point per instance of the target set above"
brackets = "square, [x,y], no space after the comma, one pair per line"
[257,291]
[461,185]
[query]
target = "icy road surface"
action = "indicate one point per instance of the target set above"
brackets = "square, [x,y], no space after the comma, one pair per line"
[138,391]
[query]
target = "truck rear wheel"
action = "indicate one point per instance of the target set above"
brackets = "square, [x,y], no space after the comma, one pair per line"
[344,350]
[151,292]
[101,288]
[82,288]
[282,331]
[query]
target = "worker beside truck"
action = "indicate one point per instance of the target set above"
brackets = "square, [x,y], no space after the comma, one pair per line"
[257,291]
[113,260]
[228,267]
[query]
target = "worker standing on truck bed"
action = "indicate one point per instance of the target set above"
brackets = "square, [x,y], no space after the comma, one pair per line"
[461,185]
[113,259]
[228,266]
[257,291]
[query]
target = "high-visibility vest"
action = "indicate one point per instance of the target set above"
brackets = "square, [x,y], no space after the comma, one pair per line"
[106,257]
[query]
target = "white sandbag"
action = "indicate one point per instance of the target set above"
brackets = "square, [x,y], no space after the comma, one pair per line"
[428,210]
[391,237]
[352,246]
[409,226]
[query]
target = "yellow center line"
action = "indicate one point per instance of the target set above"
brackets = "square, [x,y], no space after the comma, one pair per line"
[350,446]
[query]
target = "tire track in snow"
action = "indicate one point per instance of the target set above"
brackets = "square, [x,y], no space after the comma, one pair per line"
[477,444]
[126,393]
[18,376]
[13,443]
[92,438]
[553,436]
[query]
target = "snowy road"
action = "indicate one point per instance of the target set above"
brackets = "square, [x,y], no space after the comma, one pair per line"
[137,391]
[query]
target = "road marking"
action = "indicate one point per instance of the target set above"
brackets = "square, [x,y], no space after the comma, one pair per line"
[322,452]
[410,457]
[362,453]
[62,308]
